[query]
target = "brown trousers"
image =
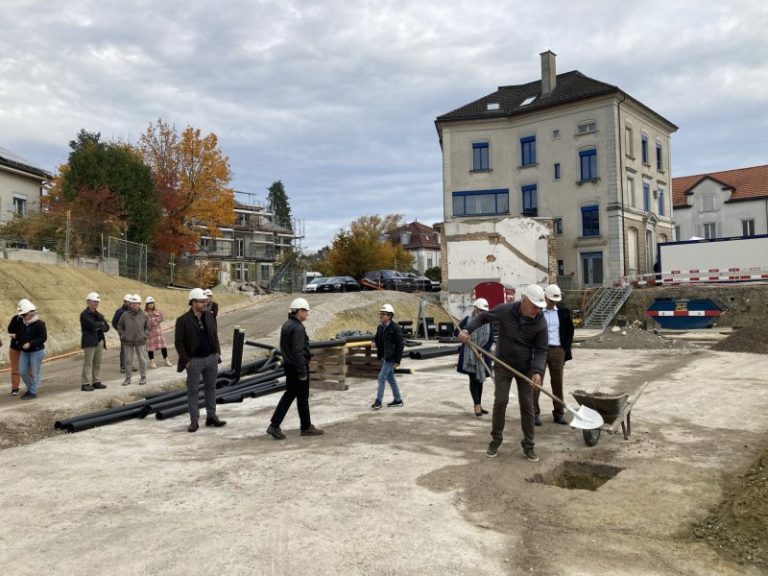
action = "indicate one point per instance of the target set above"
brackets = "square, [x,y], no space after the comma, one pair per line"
[502,378]
[556,364]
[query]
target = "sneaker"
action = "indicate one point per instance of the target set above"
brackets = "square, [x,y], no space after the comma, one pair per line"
[29,396]
[493,448]
[168,362]
[142,382]
[376,405]
[530,454]
[275,432]
[14,392]
[312,431]
[560,419]
[86,388]
[127,382]
[395,403]
[99,385]
[536,420]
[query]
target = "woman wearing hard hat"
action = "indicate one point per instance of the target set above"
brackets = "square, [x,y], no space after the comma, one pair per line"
[15,328]
[32,341]
[469,362]
[156,339]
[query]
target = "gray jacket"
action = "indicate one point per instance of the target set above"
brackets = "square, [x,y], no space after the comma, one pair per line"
[133,327]
[523,342]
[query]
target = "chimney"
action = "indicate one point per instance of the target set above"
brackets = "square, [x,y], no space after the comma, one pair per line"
[548,72]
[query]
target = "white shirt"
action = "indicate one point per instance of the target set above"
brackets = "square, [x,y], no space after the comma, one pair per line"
[553,326]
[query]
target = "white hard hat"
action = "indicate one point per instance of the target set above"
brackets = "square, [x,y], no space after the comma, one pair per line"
[127,297]
[387,308]
[300,304]
[93,297]
[134,299]
[20,304]
[552,292]
[150,300]
[481,303]
[26,307]
[535,294]
[197,294]
[208,292]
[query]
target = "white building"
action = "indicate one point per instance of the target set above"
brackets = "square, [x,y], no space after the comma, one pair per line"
[21,185]
[572,149]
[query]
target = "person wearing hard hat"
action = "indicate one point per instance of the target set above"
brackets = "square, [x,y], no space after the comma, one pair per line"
[93,326]
[470,363]
[389,350]
[32,340]
[212,306]
[133,328]
[294,347]
[15,328]
[560,338]
[197,344]
[523,345]
[156,339]
[115,319]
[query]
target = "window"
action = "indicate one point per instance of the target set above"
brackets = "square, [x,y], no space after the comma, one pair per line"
[239,247]
[590,220]
[629,142]
[561,267]
[708,203]
[528,100]
[405,238]
[528,150]
[429,262]
[748,227]
[555,134]
[659,156]
[205,244]
[480,156]
[710,231]
[557,170]
[677,232]
[19,205]
[491,106]
[530,207]
[644,147]
[631,192]
[661,201]
[588,160]
[241,272]
[586,127]
[481,202]
[646,197]
[558,225]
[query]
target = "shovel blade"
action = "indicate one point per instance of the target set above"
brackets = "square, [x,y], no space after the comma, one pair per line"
[586,418]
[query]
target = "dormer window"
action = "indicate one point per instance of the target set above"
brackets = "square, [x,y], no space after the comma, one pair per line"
[492,106]
[405,238]
[528,100]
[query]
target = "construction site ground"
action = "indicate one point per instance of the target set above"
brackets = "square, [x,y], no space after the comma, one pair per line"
[398,491]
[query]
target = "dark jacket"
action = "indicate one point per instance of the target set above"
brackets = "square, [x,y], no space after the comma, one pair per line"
[294,346]
[390,342]
[565,319]
[16,327]
[93,326]
[463,350]
[187,336]
[523,342]
[36,334]
[119,312]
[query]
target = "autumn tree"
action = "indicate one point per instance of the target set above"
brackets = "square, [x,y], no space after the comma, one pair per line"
[107,188]
[191,178]
[277,202]
[366,246]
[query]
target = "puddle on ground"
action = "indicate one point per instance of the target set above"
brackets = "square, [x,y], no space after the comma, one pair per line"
[577,475]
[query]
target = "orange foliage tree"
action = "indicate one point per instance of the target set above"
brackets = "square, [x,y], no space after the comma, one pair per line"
[191,178]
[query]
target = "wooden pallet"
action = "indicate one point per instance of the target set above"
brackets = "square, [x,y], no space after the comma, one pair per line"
[328,368]
[361,360]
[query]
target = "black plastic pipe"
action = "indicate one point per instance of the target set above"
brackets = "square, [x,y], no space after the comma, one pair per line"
[425,353]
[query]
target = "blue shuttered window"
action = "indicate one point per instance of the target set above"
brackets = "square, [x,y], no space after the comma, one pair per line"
[528,150]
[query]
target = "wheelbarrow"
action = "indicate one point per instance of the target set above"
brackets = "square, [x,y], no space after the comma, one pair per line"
[614,408]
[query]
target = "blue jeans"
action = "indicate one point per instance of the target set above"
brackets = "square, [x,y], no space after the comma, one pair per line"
[29,367]
[387,374]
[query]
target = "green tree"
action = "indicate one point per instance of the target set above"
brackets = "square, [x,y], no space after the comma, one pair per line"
[277,201]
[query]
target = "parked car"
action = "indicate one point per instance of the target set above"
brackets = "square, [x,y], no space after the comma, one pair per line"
[312,285]
[421,283]
[338,284]
[436,286]
[388,280]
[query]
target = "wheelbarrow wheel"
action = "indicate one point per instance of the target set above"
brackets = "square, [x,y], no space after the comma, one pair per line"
[591,436]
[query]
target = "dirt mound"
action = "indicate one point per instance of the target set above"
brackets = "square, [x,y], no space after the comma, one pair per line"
[738,526]
[750,339]
[632,339]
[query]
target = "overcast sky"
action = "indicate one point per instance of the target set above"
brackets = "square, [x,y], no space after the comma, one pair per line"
[338,98]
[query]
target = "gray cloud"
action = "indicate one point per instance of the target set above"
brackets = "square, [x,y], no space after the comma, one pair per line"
[338,100]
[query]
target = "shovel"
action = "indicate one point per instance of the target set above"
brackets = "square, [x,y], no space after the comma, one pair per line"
[584,418]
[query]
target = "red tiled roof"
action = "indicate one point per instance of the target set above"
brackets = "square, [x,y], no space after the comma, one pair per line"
[422,236]
[747,183]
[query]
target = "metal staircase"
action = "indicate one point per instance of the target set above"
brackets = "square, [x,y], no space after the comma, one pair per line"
[603,306]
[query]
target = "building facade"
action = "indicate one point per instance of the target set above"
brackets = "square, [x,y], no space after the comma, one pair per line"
[571,149]
[721,204]
[421,241]
[21,185]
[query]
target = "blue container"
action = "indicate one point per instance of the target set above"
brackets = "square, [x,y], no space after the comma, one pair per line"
[685,314]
